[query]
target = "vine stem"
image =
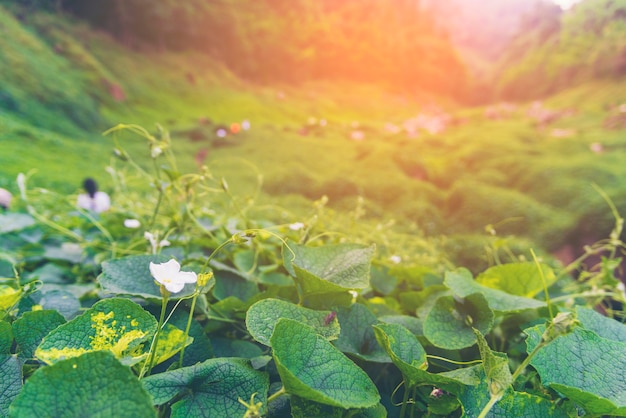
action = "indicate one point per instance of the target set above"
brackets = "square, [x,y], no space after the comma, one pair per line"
[193,307]
[490,404]
[276,394]
[155,342]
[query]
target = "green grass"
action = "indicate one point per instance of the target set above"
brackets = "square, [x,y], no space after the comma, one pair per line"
[509,172]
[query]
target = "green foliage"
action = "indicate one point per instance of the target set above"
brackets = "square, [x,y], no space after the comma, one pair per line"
[92,385]
[215,387]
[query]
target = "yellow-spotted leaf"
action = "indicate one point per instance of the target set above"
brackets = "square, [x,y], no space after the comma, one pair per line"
[116,325]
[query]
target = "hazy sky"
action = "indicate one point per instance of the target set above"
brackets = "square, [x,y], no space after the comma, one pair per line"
[565,3]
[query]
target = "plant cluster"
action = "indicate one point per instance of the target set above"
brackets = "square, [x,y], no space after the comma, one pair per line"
[183,304]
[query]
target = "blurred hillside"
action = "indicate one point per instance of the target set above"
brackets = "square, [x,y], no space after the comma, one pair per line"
[376,41]
[554,51]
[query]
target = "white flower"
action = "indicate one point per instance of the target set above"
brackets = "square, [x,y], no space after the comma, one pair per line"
[395,259]
[156,151]
[169,275]
[132,223]
[296,226]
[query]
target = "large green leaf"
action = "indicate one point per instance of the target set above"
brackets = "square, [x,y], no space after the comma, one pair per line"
[131,276]
[91,385]
[32,327]
[209,389]
[601,325]
[303,408]
[521,279]
[584,367]
[410,358]
[10,383]
[450,321]
[357,335]
[117,325]
[263,315]
[14,221]
[463,285]
[329,268]
[310,367]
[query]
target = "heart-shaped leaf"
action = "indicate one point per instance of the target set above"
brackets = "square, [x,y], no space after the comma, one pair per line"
[463,285]
[32,327]
[310,367]
[212,388]
[449,323]
[263,315]
[410,358]
[117,325]
[93,384]
[584,367]
[329,268]
[601,325]
[357,335]
[521,279]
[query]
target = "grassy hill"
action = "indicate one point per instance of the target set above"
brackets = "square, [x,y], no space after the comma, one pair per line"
[423,163]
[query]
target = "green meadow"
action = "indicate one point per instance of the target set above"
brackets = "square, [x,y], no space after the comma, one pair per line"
[367,248]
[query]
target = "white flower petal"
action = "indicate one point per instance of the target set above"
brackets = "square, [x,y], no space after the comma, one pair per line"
[169,275]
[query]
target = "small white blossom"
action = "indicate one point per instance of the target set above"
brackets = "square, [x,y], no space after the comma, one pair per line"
[132,223]
[164,243]
[169,275]
[395,259]
[296,226]
[156,151]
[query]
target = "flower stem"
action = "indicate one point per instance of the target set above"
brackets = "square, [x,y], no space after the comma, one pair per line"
[153,349]
[193,307]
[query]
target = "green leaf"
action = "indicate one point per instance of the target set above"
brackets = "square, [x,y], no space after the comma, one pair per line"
[463,285]
[496,366]
[513,404]
[117,325]
[303,408]
[91,385]
[10,383]
[131,276]
[32,327]
[263,315]
[601,325]
[584,367]
[61,301]
[403,349]
[310,367]
[357,335]
[228,284]
[6,337]
[410,358]
[521,279]
[9,296]
[14,221]
[209,389]
[226,347]
[449,323]
[329,268]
